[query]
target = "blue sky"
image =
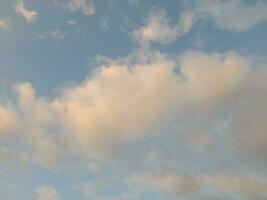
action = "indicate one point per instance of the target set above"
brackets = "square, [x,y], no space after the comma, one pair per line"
[133,99]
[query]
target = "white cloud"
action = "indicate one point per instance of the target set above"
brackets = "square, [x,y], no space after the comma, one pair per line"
[186,22]
[30,16]
[94,167]
[47,193]
[4,24]
[227,14]
[184,185]
[84,6]
[120,102]
[8,119]
[172,184]
[104,23]
[38,120]
[71,22]
[54,34]
[125,100]
[231,15]
[247,132]
[211,78]
[35,117]
[5,153]
[249,187]
[157,28]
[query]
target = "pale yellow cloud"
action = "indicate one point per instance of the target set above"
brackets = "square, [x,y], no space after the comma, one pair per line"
[123,101]
[157,28]
[21,10]
[47,193]
[233,15]
[4,24]
[211,78]
[247,132]
[186,185]
[31,122]
[38,121]
[128,99]
[119,103]
[168,183]
[86,7]
[8,120]
[186,22]
[56,34]
[250,187]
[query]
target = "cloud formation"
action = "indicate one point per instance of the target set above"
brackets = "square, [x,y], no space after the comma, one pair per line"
[35,117]
[248,128]
[4,24]
[157,28]
[232,15]
[54,34]
[124,100]
[47,193]
[30,16]
[130,99]
[189,185]
[84,6]
[7,119]
[186,22]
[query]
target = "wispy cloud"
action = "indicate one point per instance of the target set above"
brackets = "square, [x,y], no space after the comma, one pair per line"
[4,24]
[158,28]
[47,193]
[30,16]
[230,15]
[71,22]
[104,23]
[188,185]
[84,6]
[54,34]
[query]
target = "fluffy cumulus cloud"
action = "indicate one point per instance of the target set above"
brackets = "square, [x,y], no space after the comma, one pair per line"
[84,6]
[118,103]
[4,24]
[124,100]
[21,10]
[211,78]
[128,100]
[248,128]
[33,116]
[187,185]
[47,193]
[182,126]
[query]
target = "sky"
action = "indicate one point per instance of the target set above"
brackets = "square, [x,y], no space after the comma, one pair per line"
[133,100]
